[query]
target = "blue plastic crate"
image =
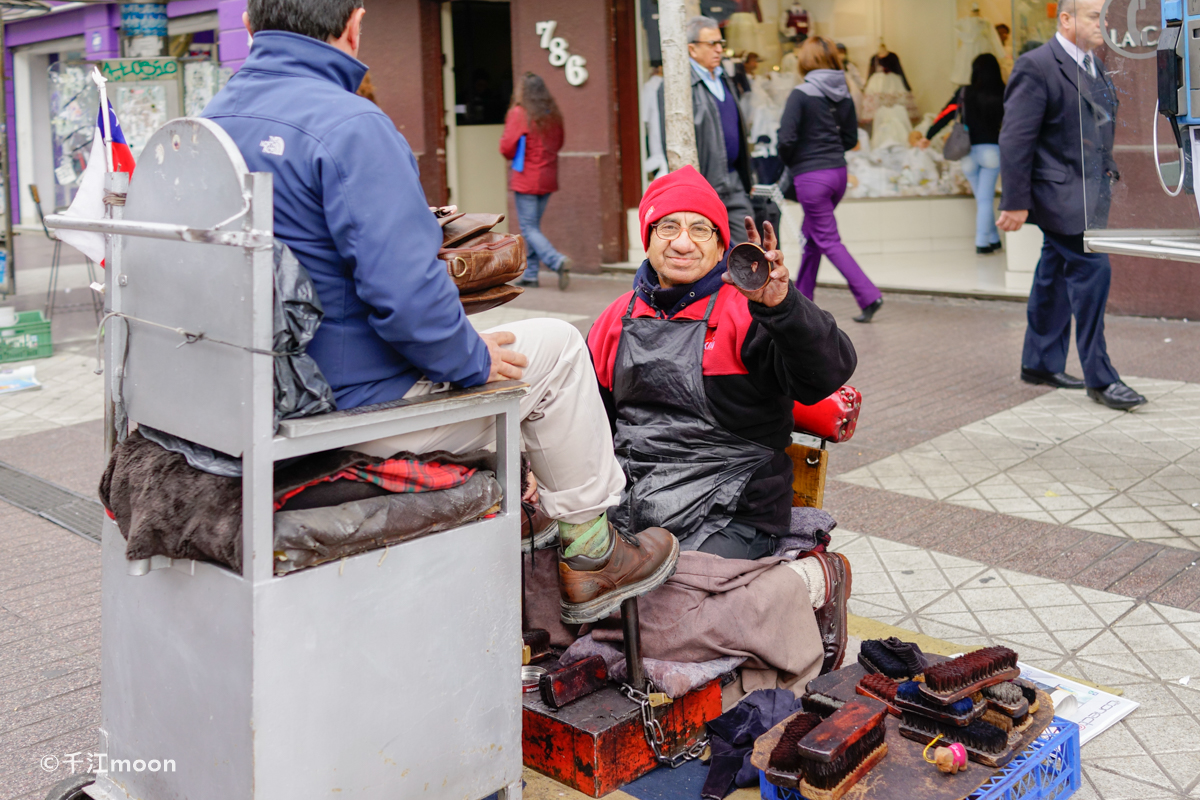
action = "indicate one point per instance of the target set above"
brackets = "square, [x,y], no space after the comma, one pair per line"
[1047,770]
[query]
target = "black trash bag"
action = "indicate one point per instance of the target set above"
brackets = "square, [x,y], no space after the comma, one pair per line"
[300,388]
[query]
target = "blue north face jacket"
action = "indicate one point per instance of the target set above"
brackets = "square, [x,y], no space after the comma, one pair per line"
[349,203]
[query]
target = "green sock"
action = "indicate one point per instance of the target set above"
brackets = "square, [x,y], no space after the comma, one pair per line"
[585,539]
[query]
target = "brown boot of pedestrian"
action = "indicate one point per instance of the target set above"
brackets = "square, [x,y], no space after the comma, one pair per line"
[831,614]
[593,588]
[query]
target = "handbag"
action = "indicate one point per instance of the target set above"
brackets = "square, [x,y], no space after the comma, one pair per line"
[479,259]
[958,143]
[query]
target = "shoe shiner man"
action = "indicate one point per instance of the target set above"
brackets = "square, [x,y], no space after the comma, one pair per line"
[699,379]
[349,203]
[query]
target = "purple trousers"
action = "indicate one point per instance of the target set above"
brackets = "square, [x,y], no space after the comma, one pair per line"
[819,192]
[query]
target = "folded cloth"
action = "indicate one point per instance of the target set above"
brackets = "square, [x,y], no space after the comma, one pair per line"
[675,678]
[809,530]
[711,608]
[732,736]
[164,506]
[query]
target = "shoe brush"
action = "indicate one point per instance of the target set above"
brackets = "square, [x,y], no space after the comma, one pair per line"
[837,753]
[880,687]
[985,744]
[821,704]
[875,657]
[963,676]
[961,712]
[786,755]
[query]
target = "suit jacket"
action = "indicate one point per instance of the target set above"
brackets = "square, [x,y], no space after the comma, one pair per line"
[710,138]
[1056,144]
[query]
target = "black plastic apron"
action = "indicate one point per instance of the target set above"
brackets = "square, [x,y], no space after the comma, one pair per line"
[683,470]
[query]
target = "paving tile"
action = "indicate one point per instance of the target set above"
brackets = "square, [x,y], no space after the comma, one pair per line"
[1116,565]
[1160,568]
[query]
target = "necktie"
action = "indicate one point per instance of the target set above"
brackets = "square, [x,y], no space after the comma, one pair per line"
[1088,66]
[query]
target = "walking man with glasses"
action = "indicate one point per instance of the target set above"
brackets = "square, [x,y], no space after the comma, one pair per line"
[721,132]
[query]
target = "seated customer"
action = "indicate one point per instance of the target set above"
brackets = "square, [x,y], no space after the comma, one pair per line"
[349,203]
[699,378]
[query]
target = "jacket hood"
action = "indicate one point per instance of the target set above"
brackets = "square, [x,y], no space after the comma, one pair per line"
[828,82]
[294,54]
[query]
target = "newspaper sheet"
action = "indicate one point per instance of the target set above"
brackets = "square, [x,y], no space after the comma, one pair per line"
[1096,711]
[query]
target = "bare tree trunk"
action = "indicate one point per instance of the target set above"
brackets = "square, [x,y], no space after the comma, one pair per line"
[677,85]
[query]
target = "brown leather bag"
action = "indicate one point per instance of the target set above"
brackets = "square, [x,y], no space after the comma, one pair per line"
[485,260]
[478,259]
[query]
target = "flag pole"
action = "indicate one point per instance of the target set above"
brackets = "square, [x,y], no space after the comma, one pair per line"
[105,117]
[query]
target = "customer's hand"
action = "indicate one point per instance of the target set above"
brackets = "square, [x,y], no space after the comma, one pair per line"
[1011,221]
[776,288]
[507,365]
[923,143]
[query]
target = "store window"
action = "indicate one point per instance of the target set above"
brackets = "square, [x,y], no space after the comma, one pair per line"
[905,61]
[74,106]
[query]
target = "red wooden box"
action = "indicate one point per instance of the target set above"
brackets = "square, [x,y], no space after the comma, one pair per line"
[596,744]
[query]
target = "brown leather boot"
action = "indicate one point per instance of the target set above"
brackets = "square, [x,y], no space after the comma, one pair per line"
[593,588]
[538,531]
[831,617]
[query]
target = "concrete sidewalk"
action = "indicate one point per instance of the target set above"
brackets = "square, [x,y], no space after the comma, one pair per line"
[973,507]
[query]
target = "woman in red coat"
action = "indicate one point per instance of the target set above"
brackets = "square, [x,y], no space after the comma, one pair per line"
[535,117]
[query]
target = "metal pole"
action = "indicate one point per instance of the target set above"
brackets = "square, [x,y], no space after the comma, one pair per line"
[634,667]
[10,268]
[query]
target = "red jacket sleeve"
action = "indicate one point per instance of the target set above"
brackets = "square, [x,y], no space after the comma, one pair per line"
[516,125]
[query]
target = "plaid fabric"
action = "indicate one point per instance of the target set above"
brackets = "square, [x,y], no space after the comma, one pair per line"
[397,475]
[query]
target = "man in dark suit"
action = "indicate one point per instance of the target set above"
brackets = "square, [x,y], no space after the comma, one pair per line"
[1057,168]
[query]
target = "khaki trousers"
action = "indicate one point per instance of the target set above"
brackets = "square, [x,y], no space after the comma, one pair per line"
[564,428]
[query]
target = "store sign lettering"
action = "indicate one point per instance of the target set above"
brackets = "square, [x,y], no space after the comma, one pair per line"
[1134,38]
[139,69]
[574,67]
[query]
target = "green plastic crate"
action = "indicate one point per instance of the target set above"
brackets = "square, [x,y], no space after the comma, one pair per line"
[29,338]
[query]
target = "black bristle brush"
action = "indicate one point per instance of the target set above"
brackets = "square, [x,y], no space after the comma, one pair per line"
[960,712]
[786,757]
[875,657]
[821,704]
[843,748]
[958,677]
[985,743]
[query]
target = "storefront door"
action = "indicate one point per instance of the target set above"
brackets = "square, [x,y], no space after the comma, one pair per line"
[478,82]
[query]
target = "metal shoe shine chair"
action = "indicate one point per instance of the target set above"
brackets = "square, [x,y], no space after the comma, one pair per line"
[364,678]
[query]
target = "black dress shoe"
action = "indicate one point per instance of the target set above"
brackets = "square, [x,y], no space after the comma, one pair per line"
[525,282]
[996,247]
[869,311]
[983,251]
[1059,380]
[1117,395]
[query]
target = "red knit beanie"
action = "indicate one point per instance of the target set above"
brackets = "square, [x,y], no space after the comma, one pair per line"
[682,190]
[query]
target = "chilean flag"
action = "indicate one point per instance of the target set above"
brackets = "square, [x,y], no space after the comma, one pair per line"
[89,200]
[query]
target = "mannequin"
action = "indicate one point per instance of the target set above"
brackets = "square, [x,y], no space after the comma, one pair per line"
[741,31]
[793,22]
[887,86]
[976,36]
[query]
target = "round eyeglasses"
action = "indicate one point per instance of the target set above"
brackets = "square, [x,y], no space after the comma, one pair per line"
[670,231]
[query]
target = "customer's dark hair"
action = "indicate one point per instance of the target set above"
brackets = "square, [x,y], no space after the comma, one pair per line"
[532,95]
[320,19]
